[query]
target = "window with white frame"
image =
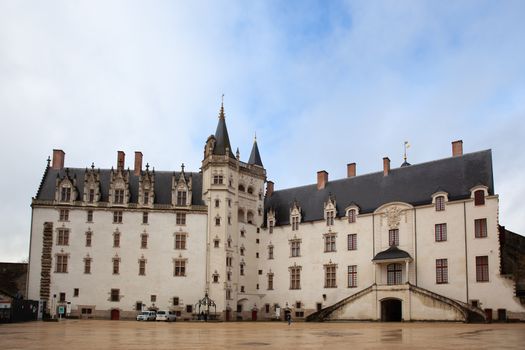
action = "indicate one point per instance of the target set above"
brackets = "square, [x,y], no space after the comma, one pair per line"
[441,271]
[352,276]
[441,232]
[352,241]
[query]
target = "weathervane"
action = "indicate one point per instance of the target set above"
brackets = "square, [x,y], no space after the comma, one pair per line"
[407,146]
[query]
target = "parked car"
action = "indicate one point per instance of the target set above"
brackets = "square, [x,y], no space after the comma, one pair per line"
[146,316]
[167,316]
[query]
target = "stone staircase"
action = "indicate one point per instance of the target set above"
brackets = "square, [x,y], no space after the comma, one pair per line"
[469,312]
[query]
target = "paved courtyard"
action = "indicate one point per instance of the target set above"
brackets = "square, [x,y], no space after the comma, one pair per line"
[94,334]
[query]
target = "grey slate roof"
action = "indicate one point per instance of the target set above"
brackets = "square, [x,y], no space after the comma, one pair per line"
[412,184]
[222,140]
[392,252]
[162,185]
[255,157]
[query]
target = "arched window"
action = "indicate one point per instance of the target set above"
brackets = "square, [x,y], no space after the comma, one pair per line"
[240,214]
[479,197]
[241,188]
[250,217]
[440,203]
[250,190]
[351,215]
[393,274]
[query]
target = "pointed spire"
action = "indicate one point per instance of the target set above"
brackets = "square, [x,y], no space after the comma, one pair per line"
[255,156]
[222,141]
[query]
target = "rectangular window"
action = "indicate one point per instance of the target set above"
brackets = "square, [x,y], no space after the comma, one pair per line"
[153,298]
[295,248]
[295,223]
[180,241]
[270,252]
[352,241]
[90,216]
[440,203]
[270,281]
[146,197]
[62,297]
[116,266]
[330,276]
[329,242]
[91,196]
[217,179]
[138,306]
[119,196]
[189,308]
[441,271]
[181,197]
[116,239]
[89,235]
[295,277]
[217,221]
[480,228]
[64,215]
[181,218]
[352,276]
[115,294]
[241,269]
[441,232]
[145,217]
[76,291]
[393,237]
[270,226]
[61,263]
[180,267]
[482,268]
[330,218]
[65,194]
[267,308]
[144,241]
[87,266]
[63,236]
[175,301]
[117,217]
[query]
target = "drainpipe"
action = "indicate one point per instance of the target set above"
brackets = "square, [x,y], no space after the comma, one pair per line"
[466,251]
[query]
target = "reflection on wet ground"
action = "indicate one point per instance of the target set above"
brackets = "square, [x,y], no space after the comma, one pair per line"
[91,334]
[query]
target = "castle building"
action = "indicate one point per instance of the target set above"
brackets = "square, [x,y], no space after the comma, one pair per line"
[419,242]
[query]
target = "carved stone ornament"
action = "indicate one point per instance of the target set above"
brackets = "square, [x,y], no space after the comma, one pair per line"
[393,217]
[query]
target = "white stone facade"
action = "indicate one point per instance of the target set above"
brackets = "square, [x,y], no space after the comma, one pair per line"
[233,246]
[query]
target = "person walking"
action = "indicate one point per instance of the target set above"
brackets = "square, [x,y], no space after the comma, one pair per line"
[289,318]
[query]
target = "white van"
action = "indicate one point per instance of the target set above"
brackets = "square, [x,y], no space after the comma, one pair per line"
[167,316]
[146,316]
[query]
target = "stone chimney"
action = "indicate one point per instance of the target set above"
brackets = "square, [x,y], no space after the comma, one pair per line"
[269,188]
[457,148]
[58,159]
[138,163]
[386,166]
[322,179]
[350,169]
[121,158]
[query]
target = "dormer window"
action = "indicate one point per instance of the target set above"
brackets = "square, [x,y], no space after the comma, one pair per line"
[329,211]
[351,216]
[65,194]
[91,196]
[479,197]
[330,217]
[146,197]
[271,223]
[119,196]
[295,223]
[440,203]
[181,197]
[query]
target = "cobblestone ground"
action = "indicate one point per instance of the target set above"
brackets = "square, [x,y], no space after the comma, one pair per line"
[94,334]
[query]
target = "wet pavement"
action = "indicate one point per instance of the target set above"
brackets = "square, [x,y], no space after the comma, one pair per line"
[96,334]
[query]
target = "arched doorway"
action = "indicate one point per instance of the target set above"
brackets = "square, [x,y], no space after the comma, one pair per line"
[254,314]
[115,314]
[391,310]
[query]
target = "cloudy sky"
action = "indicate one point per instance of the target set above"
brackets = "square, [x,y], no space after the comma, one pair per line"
[323,83]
